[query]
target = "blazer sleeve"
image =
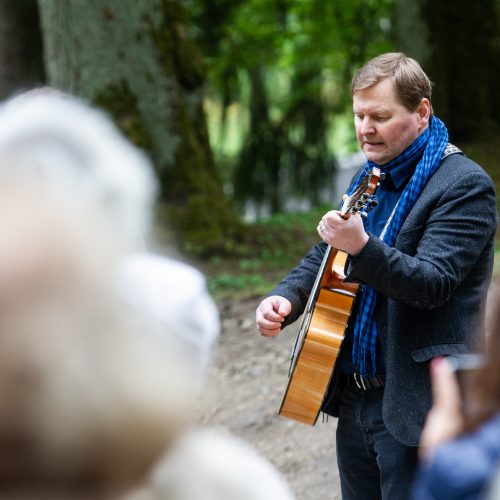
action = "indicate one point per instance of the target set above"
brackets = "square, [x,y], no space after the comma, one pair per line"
[298,284]
[455,234]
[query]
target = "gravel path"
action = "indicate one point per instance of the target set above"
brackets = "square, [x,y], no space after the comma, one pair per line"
[246,386]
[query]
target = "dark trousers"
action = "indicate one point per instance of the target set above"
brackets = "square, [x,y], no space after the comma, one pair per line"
[372,463]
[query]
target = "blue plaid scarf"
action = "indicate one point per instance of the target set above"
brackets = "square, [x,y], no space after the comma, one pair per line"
[432,142]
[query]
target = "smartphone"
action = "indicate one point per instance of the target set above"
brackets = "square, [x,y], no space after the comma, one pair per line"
[466,367]
[466,362]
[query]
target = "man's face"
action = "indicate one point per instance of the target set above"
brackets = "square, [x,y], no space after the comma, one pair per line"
[384,127]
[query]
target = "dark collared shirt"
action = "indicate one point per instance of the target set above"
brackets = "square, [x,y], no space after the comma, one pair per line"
[388,194]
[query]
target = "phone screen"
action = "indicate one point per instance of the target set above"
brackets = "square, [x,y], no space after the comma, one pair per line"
[466,368]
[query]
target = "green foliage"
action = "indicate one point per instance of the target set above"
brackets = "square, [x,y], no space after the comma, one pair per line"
[285,66]
[496,262]
[270,248]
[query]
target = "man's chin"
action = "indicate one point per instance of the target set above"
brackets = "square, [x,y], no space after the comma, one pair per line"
[378,158]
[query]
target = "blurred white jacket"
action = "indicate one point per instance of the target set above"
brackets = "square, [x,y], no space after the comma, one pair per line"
[212,465]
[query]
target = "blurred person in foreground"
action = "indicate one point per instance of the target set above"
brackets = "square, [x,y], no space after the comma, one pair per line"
[460,446]
[90,397]
[423,257]
[92,389]
[94,403]
[213,465]
[73,151]
[103,346]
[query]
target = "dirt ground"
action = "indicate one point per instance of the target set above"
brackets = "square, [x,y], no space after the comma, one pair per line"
[246,386]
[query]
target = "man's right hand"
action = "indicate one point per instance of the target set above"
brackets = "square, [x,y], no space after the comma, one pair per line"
[271,313]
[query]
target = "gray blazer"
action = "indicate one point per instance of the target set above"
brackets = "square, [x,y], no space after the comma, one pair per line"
[432,288]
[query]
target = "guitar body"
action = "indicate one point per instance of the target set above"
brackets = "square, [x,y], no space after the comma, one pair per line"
[324,322]
[321,343]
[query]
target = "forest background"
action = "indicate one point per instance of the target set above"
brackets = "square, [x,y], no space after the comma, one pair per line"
[244,106]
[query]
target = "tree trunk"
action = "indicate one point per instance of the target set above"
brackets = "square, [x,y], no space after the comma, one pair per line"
[412,36]
[257,176]
[134,59]
[457,46]
[21,62]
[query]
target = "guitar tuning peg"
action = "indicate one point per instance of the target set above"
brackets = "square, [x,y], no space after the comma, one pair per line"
[364,215]
[374,201]
[382,176]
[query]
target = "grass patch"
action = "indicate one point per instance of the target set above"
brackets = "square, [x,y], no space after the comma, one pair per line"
[270,249]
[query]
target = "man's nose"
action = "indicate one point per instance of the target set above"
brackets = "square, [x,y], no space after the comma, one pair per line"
[366,127]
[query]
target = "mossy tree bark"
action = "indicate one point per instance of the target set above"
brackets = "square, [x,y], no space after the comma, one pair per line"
[135,59]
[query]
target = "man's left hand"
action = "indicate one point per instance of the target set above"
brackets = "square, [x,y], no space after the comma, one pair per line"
[348,235]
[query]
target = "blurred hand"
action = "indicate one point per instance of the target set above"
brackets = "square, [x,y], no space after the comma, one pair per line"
[445,420]
[348,235]
[271,313]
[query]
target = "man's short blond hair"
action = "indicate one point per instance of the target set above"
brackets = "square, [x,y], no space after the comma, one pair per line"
[410,81]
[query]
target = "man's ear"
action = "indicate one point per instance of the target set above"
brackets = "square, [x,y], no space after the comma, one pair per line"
[424,112]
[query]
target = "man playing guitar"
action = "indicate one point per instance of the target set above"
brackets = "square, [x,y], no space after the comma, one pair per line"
[423,259]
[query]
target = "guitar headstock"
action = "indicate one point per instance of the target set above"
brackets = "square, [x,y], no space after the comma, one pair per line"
[362,197]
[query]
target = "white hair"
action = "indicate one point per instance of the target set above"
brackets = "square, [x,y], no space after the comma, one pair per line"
[57,141]
[53,141]
[82,395]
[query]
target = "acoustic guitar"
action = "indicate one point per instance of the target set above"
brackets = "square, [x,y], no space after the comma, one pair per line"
[324,322]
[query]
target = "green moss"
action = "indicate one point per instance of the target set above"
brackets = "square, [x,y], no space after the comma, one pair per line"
[203,227]
[193,203]
[118,100]
[177,52]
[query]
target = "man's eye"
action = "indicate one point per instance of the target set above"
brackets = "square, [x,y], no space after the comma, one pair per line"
[381,118]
